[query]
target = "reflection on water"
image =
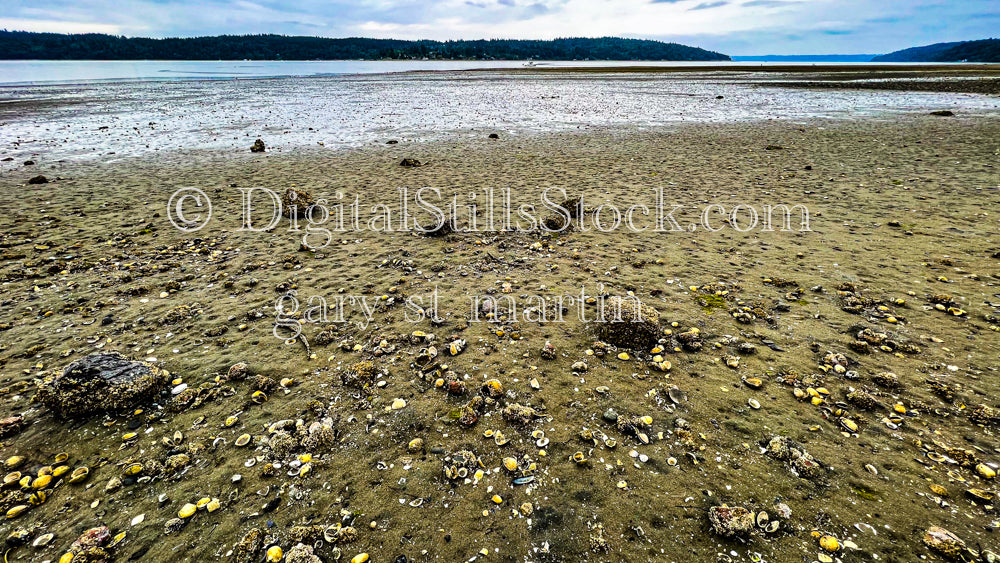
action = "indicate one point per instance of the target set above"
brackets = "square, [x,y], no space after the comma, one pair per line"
[135,117]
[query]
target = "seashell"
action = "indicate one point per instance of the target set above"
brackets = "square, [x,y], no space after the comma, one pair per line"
[642,437]
[524,480]
[499,438]
[610,442]
[202,503]
[579,458]
[542,442]
[849,424]
[79,475]
[417,502]
[274,554]
[332,533]
[60,471]
[510,464]
[829,543]
[305,469]
[17,511]
[360,558]
[132,469]
[259,397]
[672,461]
[462,472]
[487,433]
[42,540]
[754,404]
[213,505]
[178,437]
[11,478]
[119,538]
[243,440]
[250,462]
[61,457]
[46,470]
[14,461]
[772,526]
[647,420]
[979,495]
[939,490]
[871,469]
[753,382]
[129,436]
[538,434]
[230,421]
[676,395]
[25,482]
[985,471]
[138,519]
[41,482]
[934,456]
[36,498]
[187,511]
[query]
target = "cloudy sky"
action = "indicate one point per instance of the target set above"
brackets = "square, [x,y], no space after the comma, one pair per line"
[734,27]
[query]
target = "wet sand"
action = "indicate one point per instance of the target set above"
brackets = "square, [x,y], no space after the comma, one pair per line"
[902,209]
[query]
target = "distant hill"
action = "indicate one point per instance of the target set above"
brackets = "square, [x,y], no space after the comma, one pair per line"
[982,51]
[95,46]
[808,58]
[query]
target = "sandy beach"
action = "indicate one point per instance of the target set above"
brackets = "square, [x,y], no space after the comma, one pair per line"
[867,344]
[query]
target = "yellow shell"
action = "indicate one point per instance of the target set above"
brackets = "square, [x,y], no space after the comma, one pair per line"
[274,554]
[231,421]
[243,440]
[36,498]
[16,511]
[129,436]
[213,505]
[61,457]
[60,471]
[985,471]
[496,499]
[305,469]
[46,470]
[14,461]
[939,490]
[25,481]
[623,356]
[79,474]
[849,424]
[11,478]
[203,502]
[67,557]
[510,464]
[647,420]
[187,510]
[259,397]
[360,558]
[132,469]
[41,482]
[829,543]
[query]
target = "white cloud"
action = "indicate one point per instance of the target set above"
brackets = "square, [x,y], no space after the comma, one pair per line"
[58,26]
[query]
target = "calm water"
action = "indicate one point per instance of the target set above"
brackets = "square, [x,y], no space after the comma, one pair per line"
[40,72]
[111,119]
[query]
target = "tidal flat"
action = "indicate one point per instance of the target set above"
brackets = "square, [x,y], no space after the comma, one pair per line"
[840,379]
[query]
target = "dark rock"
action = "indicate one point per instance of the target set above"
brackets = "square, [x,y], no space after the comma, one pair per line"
[574,206]
[392,142]
[774,148]
[8,159]
[258,146]
[411,163]
[29,162]
[438,229]
[298,201]
[729,522]
[99,383]
[494,136]
[720,97]
[943,113]
[11,426]
[628,323]
[39,180]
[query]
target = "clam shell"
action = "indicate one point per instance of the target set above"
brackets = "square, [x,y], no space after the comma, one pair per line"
[42,540]
[754,404]
[762,519]
[61,457]
[676,395]
[542,442]
[772,526]
[417,502]
[243,440]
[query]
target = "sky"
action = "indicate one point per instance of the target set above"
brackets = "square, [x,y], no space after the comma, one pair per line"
[733,27]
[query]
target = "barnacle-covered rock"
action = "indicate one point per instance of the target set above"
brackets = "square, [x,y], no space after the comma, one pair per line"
[628,323]
[944,542]
[984,415]
[731,521]
[519,414]
[246,551]
[863,400]
[301,553]
[98,383]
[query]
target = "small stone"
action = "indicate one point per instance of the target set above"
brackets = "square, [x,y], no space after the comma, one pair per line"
[398,404]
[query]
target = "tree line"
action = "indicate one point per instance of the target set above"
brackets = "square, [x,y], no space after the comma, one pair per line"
[97,46]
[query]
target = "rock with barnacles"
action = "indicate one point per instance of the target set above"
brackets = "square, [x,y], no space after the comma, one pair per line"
[249,547]
[944,542]
[628,323]
[731,521]
[301,553]
[258,146]
[100,383]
